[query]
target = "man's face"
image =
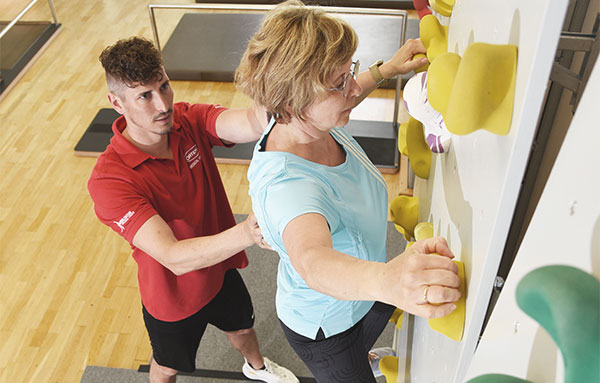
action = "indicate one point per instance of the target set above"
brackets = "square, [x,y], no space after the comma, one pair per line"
[147,108]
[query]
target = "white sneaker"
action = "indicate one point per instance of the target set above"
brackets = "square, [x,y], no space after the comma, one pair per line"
[272,373]
[375,356]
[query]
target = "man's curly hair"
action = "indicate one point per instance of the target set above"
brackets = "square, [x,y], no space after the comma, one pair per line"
[131,61]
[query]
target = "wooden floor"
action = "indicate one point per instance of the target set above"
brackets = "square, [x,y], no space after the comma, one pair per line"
[69,292]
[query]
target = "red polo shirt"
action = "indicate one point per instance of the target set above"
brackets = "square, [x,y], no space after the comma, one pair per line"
[128,187]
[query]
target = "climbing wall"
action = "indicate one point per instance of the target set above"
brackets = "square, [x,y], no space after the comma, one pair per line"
[472,189]
[565,230]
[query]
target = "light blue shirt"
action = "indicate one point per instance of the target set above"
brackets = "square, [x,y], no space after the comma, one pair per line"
[353,199]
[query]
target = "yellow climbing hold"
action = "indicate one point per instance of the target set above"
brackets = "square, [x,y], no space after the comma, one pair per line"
[402,138]
[443,7]
[477,91]
[423,230]
[434,37]
[418,150]
[405,213]
[401,230]
[389,368]
[453,324]
[484,89]
[397,318]
[440,81]
[423,67]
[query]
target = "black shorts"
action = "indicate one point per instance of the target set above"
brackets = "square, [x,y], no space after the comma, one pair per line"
[174,344]
[342,357]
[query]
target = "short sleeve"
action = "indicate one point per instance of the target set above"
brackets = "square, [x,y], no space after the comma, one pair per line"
[118,205]
[204,118]
[290,198]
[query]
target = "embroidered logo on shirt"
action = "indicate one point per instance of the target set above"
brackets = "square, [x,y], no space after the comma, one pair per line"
[121,223]
[192,156]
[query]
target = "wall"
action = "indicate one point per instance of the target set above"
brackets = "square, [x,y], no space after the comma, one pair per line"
[472,190]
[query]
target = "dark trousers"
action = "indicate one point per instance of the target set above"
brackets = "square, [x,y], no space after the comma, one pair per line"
[342,357]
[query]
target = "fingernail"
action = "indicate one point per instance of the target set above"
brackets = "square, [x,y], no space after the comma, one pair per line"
[453,307]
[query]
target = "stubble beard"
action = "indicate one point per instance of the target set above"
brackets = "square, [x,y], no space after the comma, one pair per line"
[164,130]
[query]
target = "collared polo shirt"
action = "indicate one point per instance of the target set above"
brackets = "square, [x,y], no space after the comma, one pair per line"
[129,186]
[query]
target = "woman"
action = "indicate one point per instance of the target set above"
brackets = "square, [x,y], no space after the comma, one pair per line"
[322,205]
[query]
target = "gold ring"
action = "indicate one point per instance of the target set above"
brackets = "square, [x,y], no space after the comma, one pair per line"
[425,294]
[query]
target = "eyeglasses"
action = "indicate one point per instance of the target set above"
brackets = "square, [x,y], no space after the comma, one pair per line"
[353,73]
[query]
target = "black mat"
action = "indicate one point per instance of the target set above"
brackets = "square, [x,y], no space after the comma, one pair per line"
[377,138]
[387,4]
[216,374]
[209,46]
[98,134]
[19,45]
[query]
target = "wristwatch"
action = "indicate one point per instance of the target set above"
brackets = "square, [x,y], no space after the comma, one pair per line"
[374,69]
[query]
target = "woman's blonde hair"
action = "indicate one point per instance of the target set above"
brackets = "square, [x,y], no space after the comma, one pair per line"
[292,56]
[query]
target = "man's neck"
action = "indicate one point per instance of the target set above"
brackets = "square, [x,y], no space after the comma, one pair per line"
[155,148]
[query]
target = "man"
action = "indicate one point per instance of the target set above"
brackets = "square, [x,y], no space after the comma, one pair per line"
[158,186]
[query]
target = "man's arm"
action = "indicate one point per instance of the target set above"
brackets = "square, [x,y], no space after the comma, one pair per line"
[399,282]
[156,238]
[401,63]
[239,126]
[246,125]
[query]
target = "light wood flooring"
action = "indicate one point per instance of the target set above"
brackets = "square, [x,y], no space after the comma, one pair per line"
[69,295]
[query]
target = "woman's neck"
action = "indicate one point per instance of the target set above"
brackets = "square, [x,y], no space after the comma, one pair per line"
[312,145]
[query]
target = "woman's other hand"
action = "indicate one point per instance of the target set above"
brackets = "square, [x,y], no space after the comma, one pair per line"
[423,280]
[403,60]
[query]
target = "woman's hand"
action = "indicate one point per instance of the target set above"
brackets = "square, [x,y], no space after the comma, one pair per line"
[403,60]
[423,280]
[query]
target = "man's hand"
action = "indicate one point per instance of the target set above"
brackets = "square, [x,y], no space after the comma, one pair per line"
[156,238]
[254,232]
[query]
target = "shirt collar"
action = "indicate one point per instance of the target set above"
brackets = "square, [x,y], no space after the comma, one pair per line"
[131,155]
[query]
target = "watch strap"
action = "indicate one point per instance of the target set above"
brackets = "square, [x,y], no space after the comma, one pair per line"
[376,73]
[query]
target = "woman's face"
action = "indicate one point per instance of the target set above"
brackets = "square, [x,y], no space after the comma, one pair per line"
[334,110]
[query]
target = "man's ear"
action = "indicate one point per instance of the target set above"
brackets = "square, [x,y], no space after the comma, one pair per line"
[116,103]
